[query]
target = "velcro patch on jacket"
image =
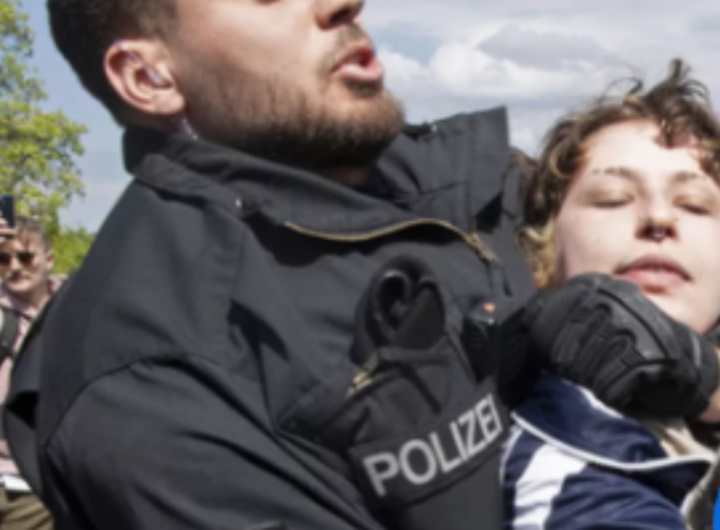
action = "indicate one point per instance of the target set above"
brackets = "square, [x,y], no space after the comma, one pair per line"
[399,471]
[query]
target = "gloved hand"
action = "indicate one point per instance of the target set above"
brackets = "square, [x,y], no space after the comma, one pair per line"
[605,335]
[714,336]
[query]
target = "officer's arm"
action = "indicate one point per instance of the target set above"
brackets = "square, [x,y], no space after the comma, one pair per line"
[180,446]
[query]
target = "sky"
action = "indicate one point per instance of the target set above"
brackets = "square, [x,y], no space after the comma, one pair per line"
[538,58]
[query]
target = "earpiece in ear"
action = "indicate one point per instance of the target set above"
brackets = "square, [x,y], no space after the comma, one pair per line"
[152,74]
[156,78]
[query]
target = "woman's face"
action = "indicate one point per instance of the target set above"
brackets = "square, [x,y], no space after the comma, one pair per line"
[644,212]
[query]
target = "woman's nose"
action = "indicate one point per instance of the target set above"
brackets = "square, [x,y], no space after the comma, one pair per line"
[657,222]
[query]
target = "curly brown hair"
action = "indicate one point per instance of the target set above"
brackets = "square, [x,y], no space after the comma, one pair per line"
[679,104]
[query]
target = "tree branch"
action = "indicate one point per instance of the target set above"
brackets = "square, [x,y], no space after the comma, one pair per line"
[16,176]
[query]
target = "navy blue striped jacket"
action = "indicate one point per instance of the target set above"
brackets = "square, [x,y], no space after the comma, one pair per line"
[574,464]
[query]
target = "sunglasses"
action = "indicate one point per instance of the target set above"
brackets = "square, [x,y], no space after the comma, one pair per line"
[25,258]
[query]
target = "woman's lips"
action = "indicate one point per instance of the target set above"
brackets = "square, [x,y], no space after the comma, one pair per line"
[654,273]
[653,281]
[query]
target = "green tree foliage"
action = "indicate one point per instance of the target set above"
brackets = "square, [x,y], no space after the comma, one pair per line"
[37,148]
[70,246]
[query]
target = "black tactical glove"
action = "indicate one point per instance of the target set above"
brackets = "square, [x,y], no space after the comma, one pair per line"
[714,336]
[605,335]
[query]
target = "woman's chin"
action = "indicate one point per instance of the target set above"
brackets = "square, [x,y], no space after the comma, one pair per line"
[684,312]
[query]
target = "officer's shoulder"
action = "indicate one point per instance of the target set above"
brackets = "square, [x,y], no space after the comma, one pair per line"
[464,149]
[490,122]
[147,259]
[465,143]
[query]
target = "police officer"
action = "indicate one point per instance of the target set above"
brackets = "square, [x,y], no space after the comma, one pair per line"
[272,331]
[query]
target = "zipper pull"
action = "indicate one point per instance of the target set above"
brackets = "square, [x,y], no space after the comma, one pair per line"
[481,248]
[474,239]
[365,375]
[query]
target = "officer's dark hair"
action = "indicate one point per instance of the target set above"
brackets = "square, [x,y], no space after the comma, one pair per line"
[84,30]
[679,104]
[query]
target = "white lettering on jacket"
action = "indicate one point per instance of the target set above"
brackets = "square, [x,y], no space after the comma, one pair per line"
[421,460]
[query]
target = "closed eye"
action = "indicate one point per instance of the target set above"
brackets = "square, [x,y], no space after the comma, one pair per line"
[698,201]
[610,200]
[696,205]
[698,210]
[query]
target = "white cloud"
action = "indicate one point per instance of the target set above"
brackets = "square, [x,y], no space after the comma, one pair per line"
[406,73]
[465,70]
[542,49]
[540,58]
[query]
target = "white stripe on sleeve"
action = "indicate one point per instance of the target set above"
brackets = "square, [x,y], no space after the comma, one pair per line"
[540,484]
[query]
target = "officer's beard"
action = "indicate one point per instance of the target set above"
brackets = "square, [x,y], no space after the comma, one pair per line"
[272,119]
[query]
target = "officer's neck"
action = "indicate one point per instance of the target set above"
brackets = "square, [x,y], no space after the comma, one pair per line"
[352,177]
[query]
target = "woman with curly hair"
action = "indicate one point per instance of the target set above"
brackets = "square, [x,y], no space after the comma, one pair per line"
[629,188]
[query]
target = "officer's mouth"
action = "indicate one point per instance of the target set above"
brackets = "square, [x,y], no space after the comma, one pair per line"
[360,63]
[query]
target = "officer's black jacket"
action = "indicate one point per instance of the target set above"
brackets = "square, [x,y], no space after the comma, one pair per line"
[216,309]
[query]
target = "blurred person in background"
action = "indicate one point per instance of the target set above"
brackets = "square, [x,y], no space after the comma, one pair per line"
[26,261]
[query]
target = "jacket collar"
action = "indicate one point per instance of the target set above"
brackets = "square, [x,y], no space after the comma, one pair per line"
[466,151]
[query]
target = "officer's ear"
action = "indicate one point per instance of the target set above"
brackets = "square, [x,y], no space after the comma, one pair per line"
[141,73]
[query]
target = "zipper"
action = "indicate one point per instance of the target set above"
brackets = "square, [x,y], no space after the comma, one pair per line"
[365,374]
[477,242]
[472,238]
